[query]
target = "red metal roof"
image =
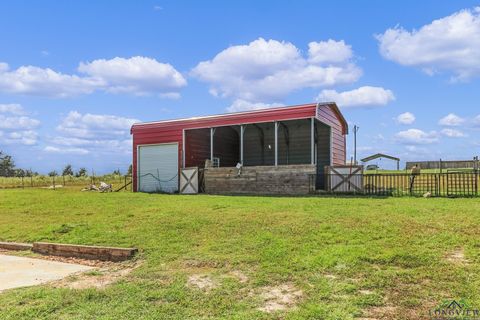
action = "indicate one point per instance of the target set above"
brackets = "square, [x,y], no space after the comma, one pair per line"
[256,116]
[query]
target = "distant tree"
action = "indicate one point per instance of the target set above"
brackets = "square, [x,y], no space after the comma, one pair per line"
[20,173]
[7,166]
[129,172]
[82,172]
[67,171]
[53,173]
[117,172]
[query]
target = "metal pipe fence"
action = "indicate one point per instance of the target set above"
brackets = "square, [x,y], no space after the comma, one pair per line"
[448,184]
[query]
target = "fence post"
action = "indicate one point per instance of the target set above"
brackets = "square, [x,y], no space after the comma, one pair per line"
[31,181]
[23,187]
[476,182]
[125,184]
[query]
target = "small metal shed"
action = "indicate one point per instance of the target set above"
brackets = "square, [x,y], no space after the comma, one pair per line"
[382,155]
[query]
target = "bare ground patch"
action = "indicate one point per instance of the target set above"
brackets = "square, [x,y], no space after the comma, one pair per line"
[239,275]
[279,298]
[202,281]
[457,256]
[366,292]
[98,278]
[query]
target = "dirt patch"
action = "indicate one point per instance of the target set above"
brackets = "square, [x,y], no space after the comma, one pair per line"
[279,298]
[202,282]
[86,262]
[457,256]
[98,278]
[239,275]
[366,292]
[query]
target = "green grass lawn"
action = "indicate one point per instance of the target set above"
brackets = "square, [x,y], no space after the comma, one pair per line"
[350,257]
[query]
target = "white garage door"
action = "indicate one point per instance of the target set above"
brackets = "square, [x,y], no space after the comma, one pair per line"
[158,168]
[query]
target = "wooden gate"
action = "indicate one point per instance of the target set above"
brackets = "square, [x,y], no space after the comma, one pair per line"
[344,179]
[189,180]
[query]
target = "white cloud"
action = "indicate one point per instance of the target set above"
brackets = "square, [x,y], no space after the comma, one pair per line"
[79,151]
[451,120]
[90,125]
[45,82]
[453,133]
[416,136]
[18,128]
[136,75]
[363,96]
[448,44]
[329,51]
[119,144]
[406,118]
[12,108]
[25,137]
[263,70]
[242,105]
[21,122]
[93,133]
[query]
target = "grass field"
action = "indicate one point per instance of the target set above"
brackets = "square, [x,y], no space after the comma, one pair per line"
[332,258]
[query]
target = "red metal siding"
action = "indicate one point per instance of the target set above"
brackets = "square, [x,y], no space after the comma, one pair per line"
[197,142]
[329,116]
[172,131]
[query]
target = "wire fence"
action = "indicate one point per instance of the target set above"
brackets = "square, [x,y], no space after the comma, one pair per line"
[40,181]
[448,184]
[156,181]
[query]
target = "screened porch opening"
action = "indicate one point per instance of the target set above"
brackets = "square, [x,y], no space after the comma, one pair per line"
[291,142]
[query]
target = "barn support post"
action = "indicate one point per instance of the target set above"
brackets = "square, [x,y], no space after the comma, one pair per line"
[287,140]
[262,141]
[242,130]
[183,149]
[312,141]
[276,142]
[212,132]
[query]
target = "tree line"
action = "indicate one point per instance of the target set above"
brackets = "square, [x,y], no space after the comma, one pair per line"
[8,169]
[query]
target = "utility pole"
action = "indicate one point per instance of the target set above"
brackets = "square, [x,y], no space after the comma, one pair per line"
[355,130]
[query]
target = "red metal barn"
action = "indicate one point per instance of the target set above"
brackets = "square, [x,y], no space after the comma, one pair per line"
[281,150]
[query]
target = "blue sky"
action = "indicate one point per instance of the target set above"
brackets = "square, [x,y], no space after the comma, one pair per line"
[75,75]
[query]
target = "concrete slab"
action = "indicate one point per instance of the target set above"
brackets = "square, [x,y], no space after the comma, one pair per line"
[16,272]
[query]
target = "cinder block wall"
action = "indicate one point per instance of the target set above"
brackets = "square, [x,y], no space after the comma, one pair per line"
[287,179]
